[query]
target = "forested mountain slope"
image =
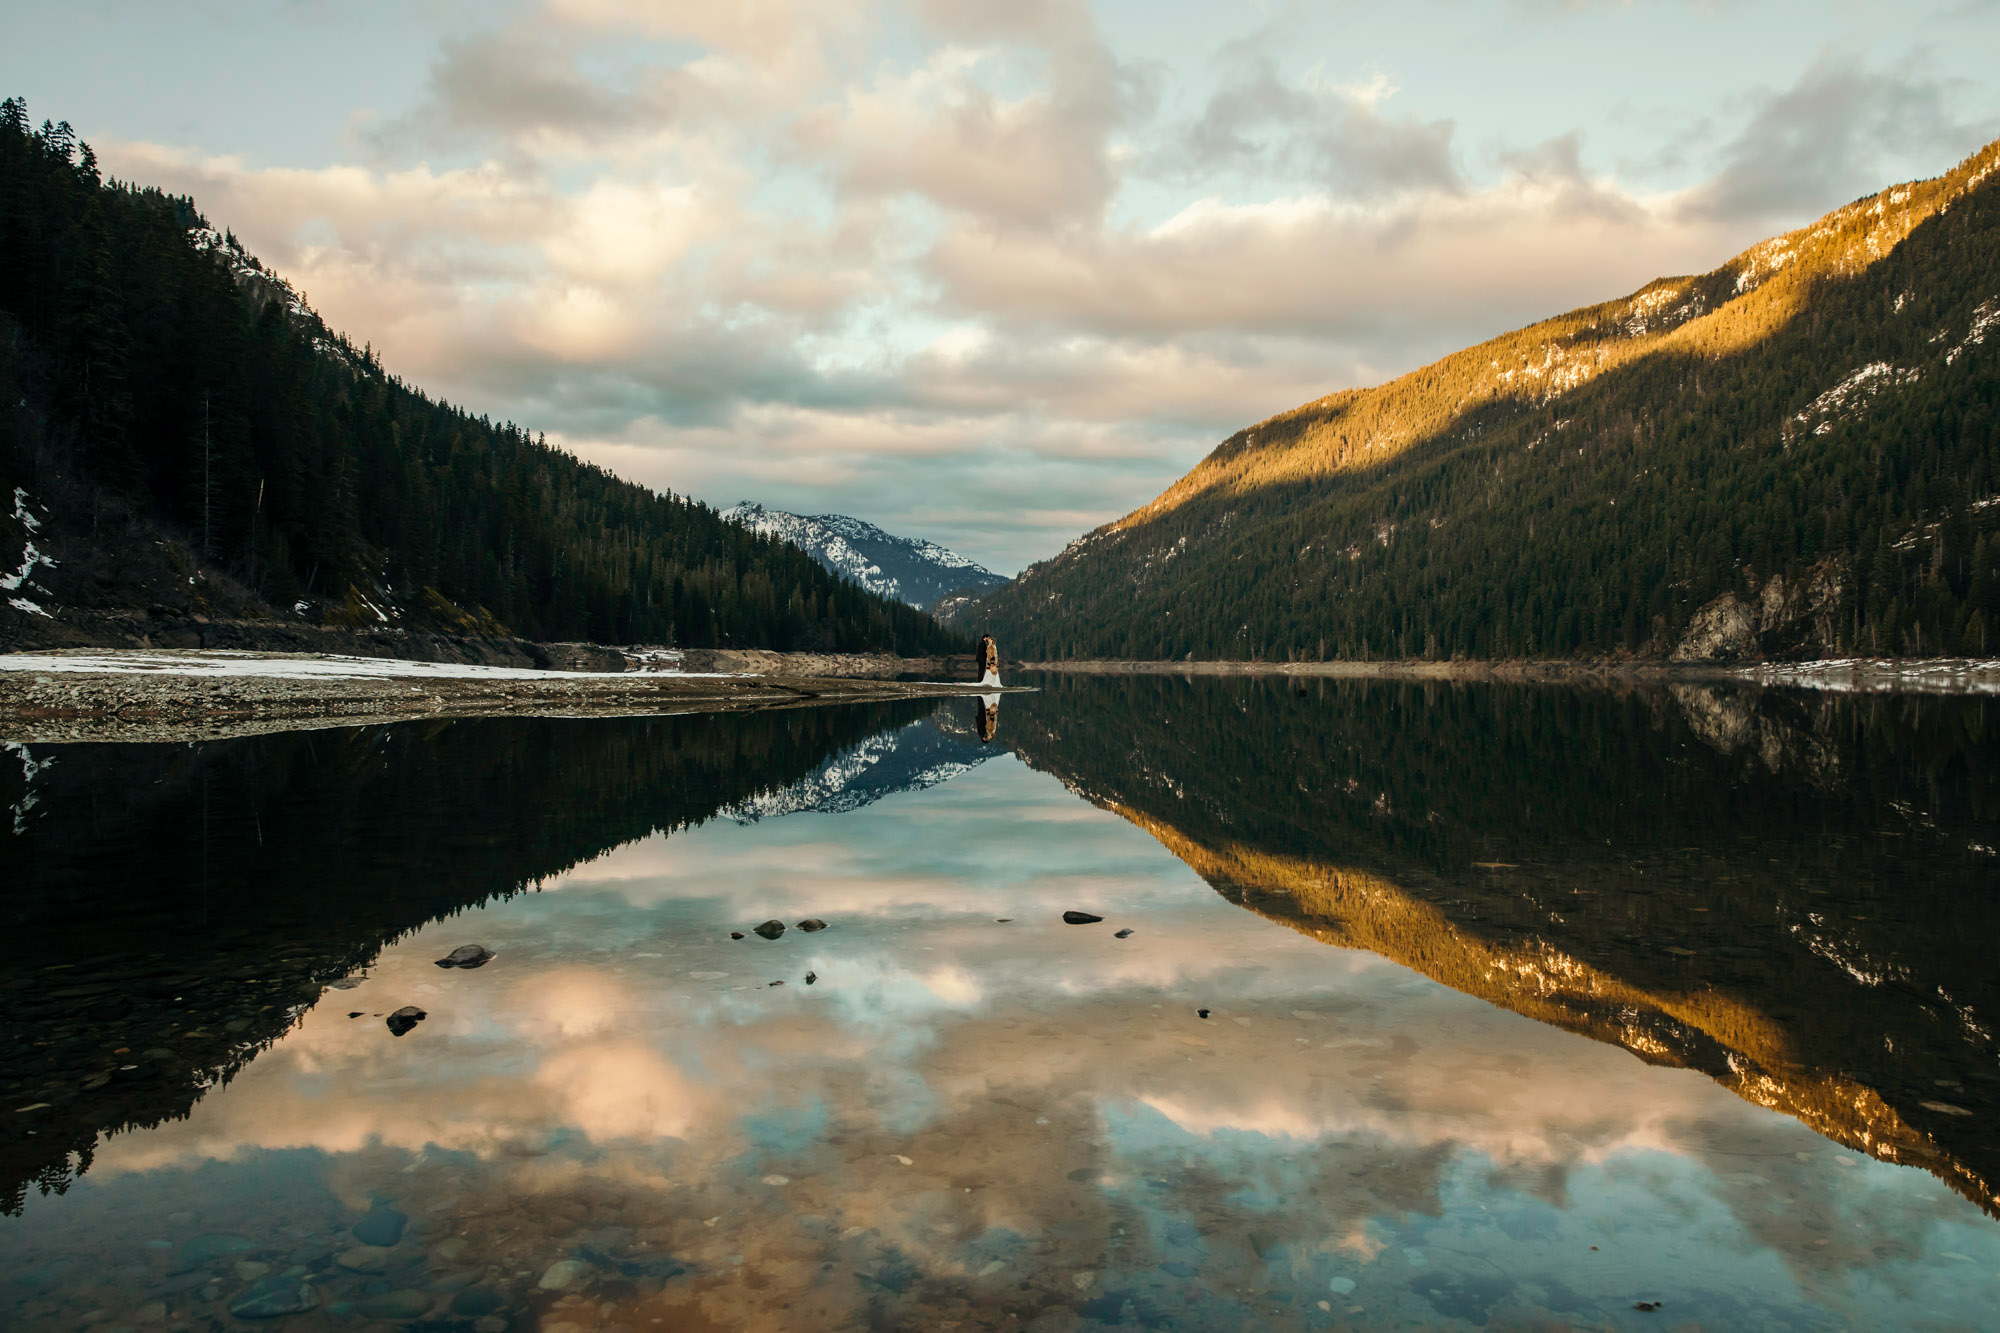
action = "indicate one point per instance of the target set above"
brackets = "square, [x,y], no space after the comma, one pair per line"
[179,432]
[1793,454]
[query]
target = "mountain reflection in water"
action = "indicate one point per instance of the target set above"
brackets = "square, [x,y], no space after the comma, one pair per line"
[1793,893]
[624,1119]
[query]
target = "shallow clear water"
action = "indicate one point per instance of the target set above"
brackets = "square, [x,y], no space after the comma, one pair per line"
[1522,1009]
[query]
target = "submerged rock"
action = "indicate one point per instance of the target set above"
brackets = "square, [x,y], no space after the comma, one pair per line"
[812,923]
[406,1018]
[382,1226]
[363,1259]
[201,1250]
[1076,918]
[561,1273]
[476,1301]
[273,1297]
[770,930]
[405,1304]
[468,955]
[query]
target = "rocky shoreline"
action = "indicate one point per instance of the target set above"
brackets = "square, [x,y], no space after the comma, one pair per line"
[99,695]
[1852,675]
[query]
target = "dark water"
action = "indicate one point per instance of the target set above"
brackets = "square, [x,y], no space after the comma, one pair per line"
[1526,1007]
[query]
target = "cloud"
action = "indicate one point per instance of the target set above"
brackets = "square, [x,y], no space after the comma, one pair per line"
[519,83]
[1258,126]
[1825,140]
[943,131]
[1411,275]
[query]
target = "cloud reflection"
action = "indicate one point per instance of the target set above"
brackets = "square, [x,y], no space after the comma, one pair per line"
[956,1093]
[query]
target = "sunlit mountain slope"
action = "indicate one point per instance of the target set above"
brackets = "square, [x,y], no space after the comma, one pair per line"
[1791,454]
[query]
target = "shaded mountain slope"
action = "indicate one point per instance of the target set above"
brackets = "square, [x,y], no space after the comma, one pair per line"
[1798,907]
[181,434]
[1794,453]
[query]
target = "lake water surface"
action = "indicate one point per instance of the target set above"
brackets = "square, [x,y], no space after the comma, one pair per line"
[1441,1007]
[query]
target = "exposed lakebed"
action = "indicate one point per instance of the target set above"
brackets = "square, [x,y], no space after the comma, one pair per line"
[1546,1007]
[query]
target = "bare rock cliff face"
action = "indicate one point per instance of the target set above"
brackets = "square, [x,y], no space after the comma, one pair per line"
[1780,620]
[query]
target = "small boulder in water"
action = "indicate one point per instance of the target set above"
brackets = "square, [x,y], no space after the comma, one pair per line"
[770,930]
[1076,918]
[811,977]
[735,934]
[405,1018]
[468,955]
[383,1226]
[811,924]
[1123,934]
[1201,1013]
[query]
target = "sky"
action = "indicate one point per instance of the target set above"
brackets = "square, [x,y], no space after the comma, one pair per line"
[986,273]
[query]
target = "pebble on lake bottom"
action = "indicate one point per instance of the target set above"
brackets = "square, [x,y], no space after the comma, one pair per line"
[272,1297]
[405,1304]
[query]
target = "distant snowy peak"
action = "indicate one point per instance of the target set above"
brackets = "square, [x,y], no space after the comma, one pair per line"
[906,568]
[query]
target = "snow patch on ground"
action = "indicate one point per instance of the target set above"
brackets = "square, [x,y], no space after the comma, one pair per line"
[1560,370]
[31,558]
[1862,384]
[1984,319]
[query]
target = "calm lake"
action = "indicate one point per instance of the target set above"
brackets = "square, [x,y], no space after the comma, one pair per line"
[1440,1007]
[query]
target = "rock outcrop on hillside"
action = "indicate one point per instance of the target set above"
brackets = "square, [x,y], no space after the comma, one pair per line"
[1782,621]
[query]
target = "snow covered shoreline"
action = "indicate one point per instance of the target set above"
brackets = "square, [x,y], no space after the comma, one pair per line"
[144,694]
[306,666]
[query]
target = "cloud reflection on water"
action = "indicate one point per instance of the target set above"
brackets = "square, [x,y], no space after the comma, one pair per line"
[1062,1109]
